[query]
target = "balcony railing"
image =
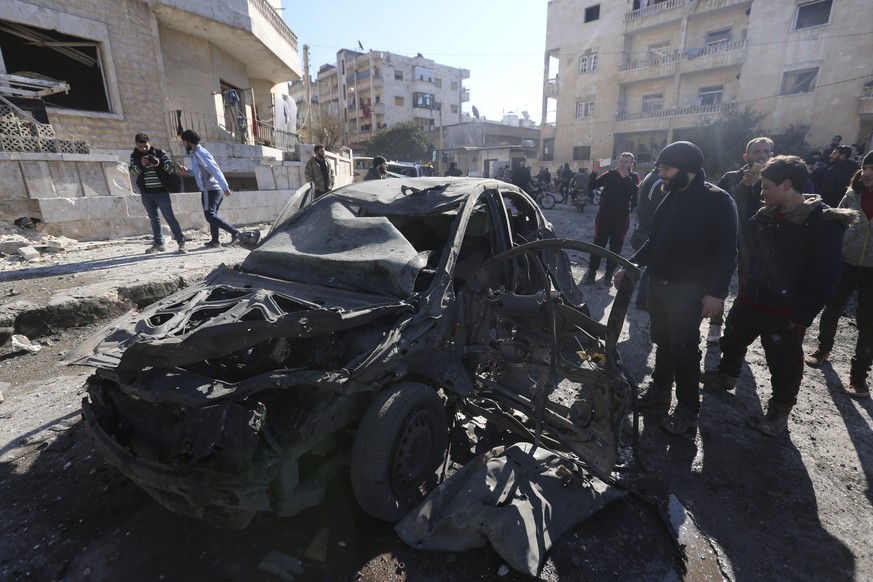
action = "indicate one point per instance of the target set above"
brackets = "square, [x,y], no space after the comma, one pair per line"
[652,9]
[678,111]
[652,61]
[235,129]
[263,7]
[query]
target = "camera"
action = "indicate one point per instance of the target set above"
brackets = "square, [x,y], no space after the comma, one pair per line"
[152,159]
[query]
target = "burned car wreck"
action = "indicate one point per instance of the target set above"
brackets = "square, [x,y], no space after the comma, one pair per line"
[356,334]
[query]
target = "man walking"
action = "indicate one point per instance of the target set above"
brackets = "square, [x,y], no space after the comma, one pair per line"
[619,196]
[857,276]
[691,256]
[793,269]
[152,169]
[212,184]
[320,172]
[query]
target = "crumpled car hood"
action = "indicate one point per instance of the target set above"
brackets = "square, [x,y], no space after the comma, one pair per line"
[227,312]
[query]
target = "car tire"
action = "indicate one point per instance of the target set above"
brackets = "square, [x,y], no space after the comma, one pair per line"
[399,444]
[547,201]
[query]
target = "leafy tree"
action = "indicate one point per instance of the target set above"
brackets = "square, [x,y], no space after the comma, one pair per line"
[402,141]
[723,142]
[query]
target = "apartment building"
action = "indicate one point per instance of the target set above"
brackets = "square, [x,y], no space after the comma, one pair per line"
[629,75]
[375,89]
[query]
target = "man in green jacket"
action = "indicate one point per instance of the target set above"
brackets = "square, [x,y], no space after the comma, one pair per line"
[320,172]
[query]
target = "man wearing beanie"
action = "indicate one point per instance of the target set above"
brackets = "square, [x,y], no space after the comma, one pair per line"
[857,276]
[690,255]
[379,171]
[320,172]
[212,185]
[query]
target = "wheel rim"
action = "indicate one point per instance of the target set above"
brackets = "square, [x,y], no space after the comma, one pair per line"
[414,451]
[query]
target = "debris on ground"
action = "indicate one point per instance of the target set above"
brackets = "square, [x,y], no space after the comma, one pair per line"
[21,342]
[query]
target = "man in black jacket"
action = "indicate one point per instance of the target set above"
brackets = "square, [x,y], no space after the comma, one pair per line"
[521,176]
[835,180]
[151,166]
[793,268]
[691,255]
[619,196]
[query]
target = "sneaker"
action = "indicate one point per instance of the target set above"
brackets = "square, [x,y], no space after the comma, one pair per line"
[680,421]
[213,244]
[714,334]
[655,396]
[719,379]
[182,250]
[774,422]
[816,358]
[234,238]
[858,388]
[156,248]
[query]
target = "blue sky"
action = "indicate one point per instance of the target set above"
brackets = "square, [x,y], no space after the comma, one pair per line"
[501,43]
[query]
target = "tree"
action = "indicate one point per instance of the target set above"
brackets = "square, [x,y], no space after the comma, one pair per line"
[403,141]
[325,128]
[723,142]
[793,141]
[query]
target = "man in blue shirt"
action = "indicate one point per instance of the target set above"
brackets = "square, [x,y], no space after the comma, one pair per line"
[212,185]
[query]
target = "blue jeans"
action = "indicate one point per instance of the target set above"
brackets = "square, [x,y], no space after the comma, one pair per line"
[211,203]
[155,201]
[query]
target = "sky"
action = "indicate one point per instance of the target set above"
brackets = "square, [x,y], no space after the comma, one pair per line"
[501,43]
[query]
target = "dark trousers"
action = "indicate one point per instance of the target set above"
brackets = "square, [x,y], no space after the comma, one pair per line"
[160,201]
[860,278]
[674,312]
[211,203]
[608,230]
[783,348]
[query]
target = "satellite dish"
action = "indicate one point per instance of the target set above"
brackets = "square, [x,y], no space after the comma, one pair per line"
[475,112]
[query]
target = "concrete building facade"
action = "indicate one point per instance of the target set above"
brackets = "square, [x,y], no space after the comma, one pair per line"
[372,90]
[626,75]
[219,67]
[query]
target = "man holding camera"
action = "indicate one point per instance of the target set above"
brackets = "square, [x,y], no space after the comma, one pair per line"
[151,168]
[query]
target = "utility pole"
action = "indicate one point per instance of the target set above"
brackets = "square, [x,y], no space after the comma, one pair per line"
[307,94]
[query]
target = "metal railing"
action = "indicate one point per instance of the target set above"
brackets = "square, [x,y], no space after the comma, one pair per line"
[233,128]
[689,54]
[678,111]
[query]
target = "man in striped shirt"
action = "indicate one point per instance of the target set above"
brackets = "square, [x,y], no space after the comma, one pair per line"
[146,165]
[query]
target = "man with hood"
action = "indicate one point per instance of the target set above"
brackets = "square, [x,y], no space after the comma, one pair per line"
[691,255]
[857,275]
[793,269]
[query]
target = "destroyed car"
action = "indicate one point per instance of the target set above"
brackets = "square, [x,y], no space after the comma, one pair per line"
[355,334]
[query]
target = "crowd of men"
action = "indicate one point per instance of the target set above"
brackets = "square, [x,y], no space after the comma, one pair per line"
[794,253]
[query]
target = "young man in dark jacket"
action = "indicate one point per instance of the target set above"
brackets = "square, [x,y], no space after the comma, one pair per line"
[619,196]
[793,269]
[691,255]
[835,179]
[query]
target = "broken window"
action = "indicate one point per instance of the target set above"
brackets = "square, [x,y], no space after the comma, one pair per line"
[716,37]
[423,100]
[802,81]
[653,102]
[54,56]
[813,14]
[710,95]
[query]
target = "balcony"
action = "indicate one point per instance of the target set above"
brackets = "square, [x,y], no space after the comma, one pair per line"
[233,129]
[465,95]
[649,69]
[708,7]
[719,56]
[551,88]
[663,119]
[250,30]
[654,16]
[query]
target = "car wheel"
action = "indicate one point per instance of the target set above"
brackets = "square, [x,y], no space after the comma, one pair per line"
[547,201]
[399,444]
